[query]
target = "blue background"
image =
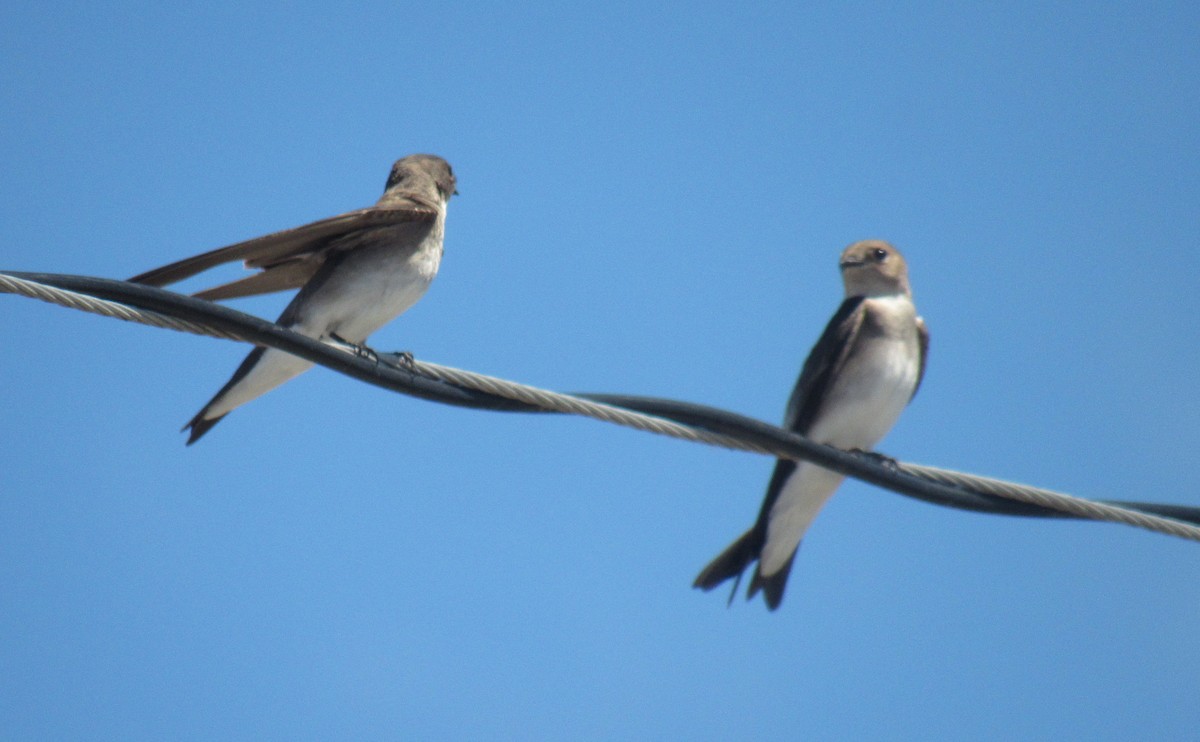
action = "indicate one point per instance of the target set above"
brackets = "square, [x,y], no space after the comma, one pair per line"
[653,200]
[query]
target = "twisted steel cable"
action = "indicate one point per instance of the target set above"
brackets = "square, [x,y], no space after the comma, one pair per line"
[164,309]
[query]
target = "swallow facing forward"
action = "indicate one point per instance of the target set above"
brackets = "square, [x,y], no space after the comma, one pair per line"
[856,381]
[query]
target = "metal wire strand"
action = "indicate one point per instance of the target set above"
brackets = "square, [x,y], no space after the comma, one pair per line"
[685,421]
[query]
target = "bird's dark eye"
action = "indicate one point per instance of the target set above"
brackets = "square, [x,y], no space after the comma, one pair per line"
[879,254]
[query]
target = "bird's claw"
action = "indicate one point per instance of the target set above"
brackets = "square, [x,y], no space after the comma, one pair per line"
[358,349]
[879,458]
[404,359]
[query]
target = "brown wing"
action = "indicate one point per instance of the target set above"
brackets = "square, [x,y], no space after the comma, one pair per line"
[820,369]
[923,340]
[300,244]
[822,366]
[279,277]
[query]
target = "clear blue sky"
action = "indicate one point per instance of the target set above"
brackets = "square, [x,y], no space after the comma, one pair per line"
[652,202]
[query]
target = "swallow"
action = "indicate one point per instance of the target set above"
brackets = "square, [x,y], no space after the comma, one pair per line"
[356,272]
[861,374]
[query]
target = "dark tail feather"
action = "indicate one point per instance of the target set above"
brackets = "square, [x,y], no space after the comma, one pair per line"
[731,563]
[772,587]
[201,425]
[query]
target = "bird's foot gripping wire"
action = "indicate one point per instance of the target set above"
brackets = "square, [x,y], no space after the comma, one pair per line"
[402,359]
[885,461]
[357,349]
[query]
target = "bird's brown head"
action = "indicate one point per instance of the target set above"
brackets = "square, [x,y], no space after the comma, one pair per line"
[414,172]
[874,268]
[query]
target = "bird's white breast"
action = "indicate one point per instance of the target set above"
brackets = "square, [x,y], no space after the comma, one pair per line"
[368,291]
[877,382]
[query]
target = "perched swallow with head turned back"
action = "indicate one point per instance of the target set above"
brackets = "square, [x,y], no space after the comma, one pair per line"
[857,379]
[356,272]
